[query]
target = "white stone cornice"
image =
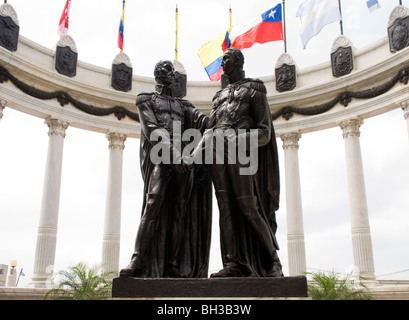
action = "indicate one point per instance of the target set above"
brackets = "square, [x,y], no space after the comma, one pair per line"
[341,41]
[122,58]
[6,10]
[67,41]
[290,140]
[56,126]
[399,12]
[285,58]
[116,140]
[179,67]
[350,127]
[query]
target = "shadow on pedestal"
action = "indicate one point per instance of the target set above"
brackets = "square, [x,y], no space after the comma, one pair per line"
[285,287]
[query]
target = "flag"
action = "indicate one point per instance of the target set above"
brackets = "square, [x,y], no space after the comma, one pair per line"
[267,27]
[211,55]
[63,25]
[372,5]
[227,43]
[121,29]
[314,15]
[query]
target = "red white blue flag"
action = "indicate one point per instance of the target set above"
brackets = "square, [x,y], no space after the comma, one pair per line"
[63,25]
[267,27]
[121,29]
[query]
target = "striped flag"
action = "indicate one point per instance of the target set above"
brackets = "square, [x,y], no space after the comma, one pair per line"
[121,29]
[372,5]
[63,25]
[315,15]
[211,55]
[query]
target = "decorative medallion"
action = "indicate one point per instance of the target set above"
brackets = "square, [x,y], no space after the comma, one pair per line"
[121,78]
[342,58]
[9,27]
[66,56]
[179,81]
[285,73]
[398,29]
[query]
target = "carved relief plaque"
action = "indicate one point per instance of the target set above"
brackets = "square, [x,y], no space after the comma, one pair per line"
[285,78]
[66,61]
[179,85]
[121,77]
[285,73]
[342,61]
[399,35]
[9,27]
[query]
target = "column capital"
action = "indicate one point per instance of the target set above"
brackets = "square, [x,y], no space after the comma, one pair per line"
[116,140]
[290,139]
[2,106]
[405,107]
[350,127]
[56,126]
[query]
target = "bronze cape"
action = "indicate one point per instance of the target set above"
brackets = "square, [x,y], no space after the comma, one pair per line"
[196,243]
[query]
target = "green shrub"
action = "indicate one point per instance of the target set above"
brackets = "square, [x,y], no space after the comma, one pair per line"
[329,286]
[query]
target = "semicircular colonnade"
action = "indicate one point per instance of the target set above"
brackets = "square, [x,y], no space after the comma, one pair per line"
[30,83]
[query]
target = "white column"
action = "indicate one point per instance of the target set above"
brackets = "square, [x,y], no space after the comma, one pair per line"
[295,226]
[112,224]
[360,230]
[405,108]
[47,230]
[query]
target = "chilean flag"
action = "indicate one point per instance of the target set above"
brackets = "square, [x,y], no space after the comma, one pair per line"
[265,28]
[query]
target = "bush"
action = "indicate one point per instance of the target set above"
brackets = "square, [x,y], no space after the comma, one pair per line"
[81,283]
[329,286]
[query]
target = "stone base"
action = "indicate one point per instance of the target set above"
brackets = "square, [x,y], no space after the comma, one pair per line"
[285,287]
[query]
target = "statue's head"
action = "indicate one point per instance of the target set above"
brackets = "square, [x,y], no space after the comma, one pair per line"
[233,61]
[164,72]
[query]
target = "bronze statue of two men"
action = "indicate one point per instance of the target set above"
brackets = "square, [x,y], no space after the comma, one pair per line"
[183,152]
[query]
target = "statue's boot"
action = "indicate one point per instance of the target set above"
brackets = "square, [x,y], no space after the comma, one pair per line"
[133,269]
[276,269]
[231,269]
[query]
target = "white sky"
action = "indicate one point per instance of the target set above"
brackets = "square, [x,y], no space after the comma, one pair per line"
[149,37]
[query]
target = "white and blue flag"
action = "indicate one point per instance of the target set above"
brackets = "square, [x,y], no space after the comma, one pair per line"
[372,5]
[315,15]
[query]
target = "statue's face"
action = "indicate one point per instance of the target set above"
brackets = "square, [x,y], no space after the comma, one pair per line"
[228,63]
[164,73]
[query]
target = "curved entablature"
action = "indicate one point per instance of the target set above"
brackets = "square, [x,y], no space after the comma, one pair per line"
[319,97]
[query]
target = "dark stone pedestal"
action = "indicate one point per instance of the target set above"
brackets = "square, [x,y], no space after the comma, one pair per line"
[285,287]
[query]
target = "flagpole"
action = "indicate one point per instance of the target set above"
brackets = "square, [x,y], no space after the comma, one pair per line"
[284,29]
[230,13]
[176,34]
[340,21]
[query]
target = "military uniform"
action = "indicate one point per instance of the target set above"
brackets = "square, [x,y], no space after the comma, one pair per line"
[247,203]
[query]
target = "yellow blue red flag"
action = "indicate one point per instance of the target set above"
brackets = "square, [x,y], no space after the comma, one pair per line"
[121,29]
[211,55]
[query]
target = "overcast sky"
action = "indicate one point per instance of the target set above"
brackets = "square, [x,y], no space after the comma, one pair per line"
[150,37]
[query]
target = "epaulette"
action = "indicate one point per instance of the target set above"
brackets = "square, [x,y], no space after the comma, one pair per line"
[217,94]
[142,97]
[257,85]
